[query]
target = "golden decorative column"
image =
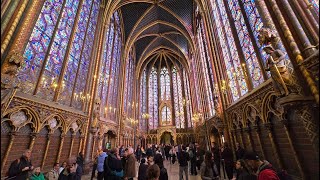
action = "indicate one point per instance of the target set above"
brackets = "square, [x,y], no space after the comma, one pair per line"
[47,149]
[257,130]
[241,138]
[268,127]
[247,131]
[71,144]
[296,158]
[93,145]
[60,147]
[6,154]
[11,30]
[81,144]
[298,60]
[33,138]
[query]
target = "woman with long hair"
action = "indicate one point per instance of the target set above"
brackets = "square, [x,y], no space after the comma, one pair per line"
[208,170]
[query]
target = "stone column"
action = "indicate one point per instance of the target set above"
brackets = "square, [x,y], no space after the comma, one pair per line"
[6,154]
[71,144]
[247,131]
[296,158]
[298,60]
[46,151]
[60,147]
[308,48]
[268,127]
[33,138]
[257,130]
[89,145]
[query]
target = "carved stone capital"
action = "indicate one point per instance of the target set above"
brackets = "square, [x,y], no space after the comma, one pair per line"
[268,126]
[256,128]
[246,129]
[34,135]
[62,136]
[285,123]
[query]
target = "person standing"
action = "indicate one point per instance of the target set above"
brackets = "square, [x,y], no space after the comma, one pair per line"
[80,159]
[226,155]
[265,170]
[199,155]
[142,174]
[193,160]
[153,172]
[208,168]
[158,160]
[138,153]
[183,159]
[239,151]
[242,171]
[113,169]
[130,166]
[216,155]
[21,167]
[54,173]
[72,171]
[101,157]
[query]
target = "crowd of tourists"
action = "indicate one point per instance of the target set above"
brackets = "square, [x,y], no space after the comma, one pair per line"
[119,163]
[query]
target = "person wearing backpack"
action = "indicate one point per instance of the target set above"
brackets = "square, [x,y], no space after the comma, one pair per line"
[20,168]
[265,171]
[158,160]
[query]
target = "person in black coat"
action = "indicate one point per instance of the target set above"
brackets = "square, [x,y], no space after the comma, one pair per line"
[158,160]
[227,159]
[193,160]
[138,153]
[73,171]
[216,155]
[239,151]
[242,171]
[21,167]
[113,166]
[80,159]
[142,174]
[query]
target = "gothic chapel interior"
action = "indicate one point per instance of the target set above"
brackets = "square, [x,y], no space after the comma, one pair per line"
[78,75]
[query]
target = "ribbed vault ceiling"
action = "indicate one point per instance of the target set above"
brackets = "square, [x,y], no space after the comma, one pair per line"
[158,28]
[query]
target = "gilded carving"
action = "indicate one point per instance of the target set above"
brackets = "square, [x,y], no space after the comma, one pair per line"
[96,113]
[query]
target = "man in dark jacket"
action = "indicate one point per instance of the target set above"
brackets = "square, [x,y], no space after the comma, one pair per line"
[227,157]
[142,174]
[21,167]
[239,151]
[183,159]
[193,160]
[199,155]
[216,155]
[264,169]
[73,171]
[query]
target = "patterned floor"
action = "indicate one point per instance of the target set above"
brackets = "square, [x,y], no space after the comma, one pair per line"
[173,172]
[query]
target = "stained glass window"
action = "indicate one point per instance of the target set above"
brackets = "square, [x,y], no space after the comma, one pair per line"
[188,98]
[143,100]
[178,99]
[165,84]
[206,69]
[129,104]
[153,99]
[315,4]
[237,84]
[166,116]
[246,43]
[49,46]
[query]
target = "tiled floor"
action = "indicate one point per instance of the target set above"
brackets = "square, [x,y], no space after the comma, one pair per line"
[173,172]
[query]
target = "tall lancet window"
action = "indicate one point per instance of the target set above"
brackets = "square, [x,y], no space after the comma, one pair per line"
[153,99]
[165,84]
[206,69]
[45,54]
[178,99]
[166,116]
[246,43]
[187,101]
[231,59]
[143,100]
[129,103]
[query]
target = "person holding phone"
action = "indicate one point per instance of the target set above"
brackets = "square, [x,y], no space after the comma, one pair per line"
[20,168]
[73,171]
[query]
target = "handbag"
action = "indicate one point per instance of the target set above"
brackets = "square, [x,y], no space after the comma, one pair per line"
[118,173]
